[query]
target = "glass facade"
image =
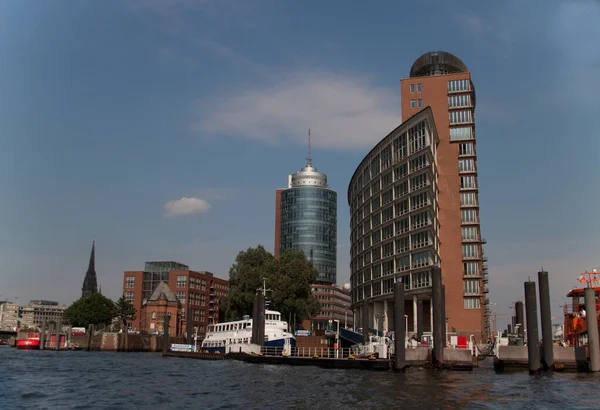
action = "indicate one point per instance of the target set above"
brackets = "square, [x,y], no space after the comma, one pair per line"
[309,224]
[156,272]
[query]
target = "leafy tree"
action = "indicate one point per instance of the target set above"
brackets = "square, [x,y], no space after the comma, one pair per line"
[92,310]
[124,311]
[289,280]
[245,277]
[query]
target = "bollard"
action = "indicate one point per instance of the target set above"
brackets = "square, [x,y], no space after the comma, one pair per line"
[533,349]
[365,321]
[255,320]
[57,340]
[399,327]
[188,323]
[519,318]
[165,348]
[444,317]
[546,317]
[43,335]
[592,328]
[438,322]
[419,319]
[90,336]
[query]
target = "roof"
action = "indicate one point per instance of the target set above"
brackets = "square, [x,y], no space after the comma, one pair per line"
[163,292]
[437,63]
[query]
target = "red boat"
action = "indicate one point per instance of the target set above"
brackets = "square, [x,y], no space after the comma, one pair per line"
[28,344]
[575,333]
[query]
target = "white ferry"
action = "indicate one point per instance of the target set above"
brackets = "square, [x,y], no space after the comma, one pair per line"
[237,336]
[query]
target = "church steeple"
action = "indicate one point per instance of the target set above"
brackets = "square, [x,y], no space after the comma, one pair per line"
[90,283]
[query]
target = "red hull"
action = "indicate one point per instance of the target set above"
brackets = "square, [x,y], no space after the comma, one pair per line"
[28,344]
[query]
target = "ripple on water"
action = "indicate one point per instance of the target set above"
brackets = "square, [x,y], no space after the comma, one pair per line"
[101,380]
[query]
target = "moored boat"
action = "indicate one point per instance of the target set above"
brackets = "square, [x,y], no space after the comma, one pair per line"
[28,344]
[576,318]
[236,336]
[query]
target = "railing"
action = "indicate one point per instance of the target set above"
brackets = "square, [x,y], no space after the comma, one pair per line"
[324,352]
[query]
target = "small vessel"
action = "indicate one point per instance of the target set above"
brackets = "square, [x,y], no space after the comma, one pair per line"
[576,318]
[28,344]
[236,336]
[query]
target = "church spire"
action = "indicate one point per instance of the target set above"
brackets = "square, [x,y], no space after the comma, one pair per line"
[90,283]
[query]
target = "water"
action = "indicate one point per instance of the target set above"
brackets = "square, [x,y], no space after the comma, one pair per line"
[102,380]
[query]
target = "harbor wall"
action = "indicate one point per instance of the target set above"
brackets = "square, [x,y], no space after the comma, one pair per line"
[124,342]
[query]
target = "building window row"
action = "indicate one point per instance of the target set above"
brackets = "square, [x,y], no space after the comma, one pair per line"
[468,182]
[463,116]
[471,269]
[130,282]
[472,303]
[466,165]
[181,281]
[459,85]
[414,280]
[462,100]
[128,296]
[469,233]
[470,251]
[468,199]
[469,216]
[461,133]
[466,149]
[418,87]
[416,103]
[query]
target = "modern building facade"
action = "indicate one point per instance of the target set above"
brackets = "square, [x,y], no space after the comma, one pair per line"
[442,81]
[393,198]
[33,315]
[200,291]
[335,306]
[10,314]
[90,283]
[414,203]
[306,220]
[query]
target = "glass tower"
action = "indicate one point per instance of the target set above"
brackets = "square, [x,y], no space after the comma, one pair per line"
[308,220]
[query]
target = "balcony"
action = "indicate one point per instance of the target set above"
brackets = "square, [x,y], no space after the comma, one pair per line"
[484,259]
[486,290]
[483,241]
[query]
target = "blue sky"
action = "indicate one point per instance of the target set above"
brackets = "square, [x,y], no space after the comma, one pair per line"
[111,111]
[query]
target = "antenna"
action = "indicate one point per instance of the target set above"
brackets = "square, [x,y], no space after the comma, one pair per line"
[309,156]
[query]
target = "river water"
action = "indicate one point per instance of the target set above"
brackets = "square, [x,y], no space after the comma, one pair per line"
[102,380]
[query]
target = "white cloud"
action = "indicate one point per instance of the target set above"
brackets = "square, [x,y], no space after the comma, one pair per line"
[342,111]
[186,206]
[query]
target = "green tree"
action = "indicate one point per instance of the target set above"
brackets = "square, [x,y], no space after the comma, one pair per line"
[245,277]
[95,309]
[124,311]
[289,280]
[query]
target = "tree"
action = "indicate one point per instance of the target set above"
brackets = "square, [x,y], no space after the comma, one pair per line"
[245,277]
[288,278]
[124,311]
[92,310]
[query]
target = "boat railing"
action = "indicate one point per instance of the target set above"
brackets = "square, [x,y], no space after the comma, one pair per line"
[323,352]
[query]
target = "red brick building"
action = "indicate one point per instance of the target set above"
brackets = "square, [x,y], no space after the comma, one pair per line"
[335,305]
[163,302]
[202,291]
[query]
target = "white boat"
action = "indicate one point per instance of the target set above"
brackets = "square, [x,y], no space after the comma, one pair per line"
[236,337]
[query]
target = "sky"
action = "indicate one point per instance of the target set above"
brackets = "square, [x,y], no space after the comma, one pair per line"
[161,128]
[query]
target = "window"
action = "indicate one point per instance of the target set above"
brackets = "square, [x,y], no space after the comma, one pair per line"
[376,235]
[457,117]
[472,303]
[468,198]
[466,165]
[459,85]
[181,281]
[181,296]
[469,233]
[422,259]
[418,163]
[388,285]
[387,214]
[400,150]
[401,189]
[387,179]
[387,196]
[465,148]
[402,264]
[388,249]
[467,182]
[401,171]
[470,251]
[419,200]
[376,253]
[128,296]
[471,268]
[154,315]
[461,133]
[420,240]
[412,88]
[402,226]
[130,282]
[462,100]
[413,103]
[401,207]
[416,137]
[421,279]
[468,215]
[419,88]
[420,103]
[388,231]
[386,157]
[421,219]
[419,181]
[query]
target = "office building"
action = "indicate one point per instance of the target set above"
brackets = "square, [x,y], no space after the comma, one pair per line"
[9,316]
[200,291]
[393,198]
[414,203]
[335,306]
[442,81]
[33,315]
[306,220]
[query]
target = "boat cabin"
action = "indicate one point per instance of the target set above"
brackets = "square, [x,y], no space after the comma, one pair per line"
[576,317]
